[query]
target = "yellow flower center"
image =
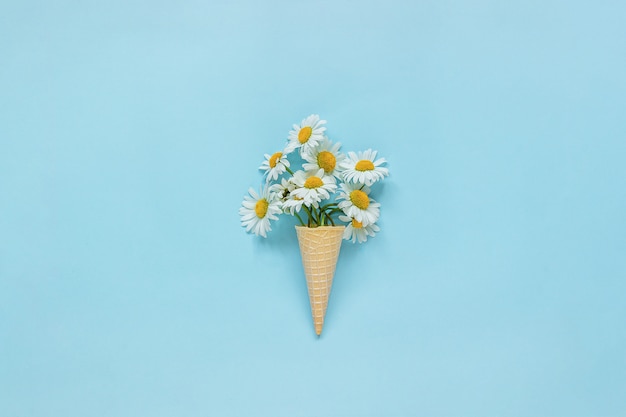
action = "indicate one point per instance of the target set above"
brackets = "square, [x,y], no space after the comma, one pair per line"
[327,161]
[356,224]
[364,165]
[313,182]
[261,208]
[304,134]
[360,199]
[274,159]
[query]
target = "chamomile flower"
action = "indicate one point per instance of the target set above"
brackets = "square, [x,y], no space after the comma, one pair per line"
[364,168]
[283,189]
[325,155]
[328,186]
[307,135]
[258,209]
[289,204]
[355,230]
[313,186]
[293,204]
[274,165]
[357,204]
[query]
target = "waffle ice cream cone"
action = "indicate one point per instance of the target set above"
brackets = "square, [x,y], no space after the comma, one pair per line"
[319,247]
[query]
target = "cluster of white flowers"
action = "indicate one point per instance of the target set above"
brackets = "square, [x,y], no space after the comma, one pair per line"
[330,187]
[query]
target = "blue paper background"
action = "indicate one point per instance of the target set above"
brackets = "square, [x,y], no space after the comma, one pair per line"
[130,131]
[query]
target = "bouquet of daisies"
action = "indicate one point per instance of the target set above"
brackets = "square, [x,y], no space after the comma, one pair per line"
[328,188]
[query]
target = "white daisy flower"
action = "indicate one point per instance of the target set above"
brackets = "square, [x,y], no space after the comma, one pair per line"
[325,156]
[283,193]
[293,204]
[258,209]
[274,165]
[356,231]
[307,135]
[364,168]
[283,189]
[313,186]
[357,204]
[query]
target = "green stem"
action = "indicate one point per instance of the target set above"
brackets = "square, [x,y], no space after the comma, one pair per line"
[336,210]
[309,213]
[327,206]
[299,218]
[323,215]
[329,212]
[315,217]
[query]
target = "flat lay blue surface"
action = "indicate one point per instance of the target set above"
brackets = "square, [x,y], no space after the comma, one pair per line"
[130,132]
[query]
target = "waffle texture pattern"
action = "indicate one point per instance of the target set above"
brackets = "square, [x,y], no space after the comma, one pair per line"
[319,248]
